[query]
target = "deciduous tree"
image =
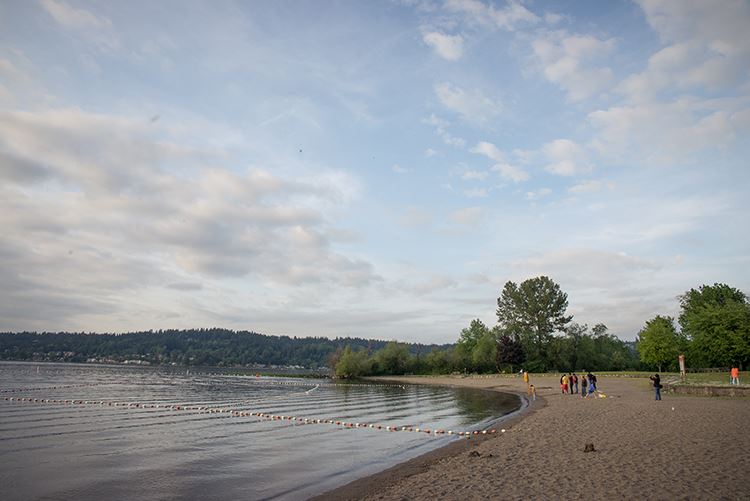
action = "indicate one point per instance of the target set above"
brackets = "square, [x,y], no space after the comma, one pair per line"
[658,342]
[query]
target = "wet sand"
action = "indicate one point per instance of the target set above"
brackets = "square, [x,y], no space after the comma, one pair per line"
[643,449]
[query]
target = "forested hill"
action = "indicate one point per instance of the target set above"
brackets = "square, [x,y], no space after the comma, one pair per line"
[184,347]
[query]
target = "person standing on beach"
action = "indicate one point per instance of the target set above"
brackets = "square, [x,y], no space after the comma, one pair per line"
[565,384]
[592,383]
[734,376]
[584,385]
[657,385]
[574,384]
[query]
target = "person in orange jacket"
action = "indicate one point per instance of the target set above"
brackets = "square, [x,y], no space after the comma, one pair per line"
[734,376]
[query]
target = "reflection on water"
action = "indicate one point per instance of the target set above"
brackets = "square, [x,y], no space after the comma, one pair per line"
[96,451]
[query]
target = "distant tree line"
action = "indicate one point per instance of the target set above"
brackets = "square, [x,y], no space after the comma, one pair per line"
[533,332]
[218,347]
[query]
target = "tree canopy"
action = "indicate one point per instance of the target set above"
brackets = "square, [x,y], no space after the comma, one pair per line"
[535,309]
[658,342]
[716,319]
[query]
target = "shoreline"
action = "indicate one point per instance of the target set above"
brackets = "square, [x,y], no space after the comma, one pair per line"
[362,487]
[684,447]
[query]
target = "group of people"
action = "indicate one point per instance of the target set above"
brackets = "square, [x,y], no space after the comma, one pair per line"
[569,384]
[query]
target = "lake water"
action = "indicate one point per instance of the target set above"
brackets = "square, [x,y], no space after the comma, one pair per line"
[103,446]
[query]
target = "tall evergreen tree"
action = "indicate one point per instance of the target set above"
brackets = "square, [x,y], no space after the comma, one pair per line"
[536,309]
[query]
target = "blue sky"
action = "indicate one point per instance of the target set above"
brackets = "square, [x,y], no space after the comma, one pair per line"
[374,169]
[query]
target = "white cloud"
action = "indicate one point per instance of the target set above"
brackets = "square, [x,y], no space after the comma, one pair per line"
[441,129]
[507,171]
[511,172]
[471,106]
[477,193]
[429,152]
[707,43]
[570,62]
[469,216]
[538,194]
[449,47]
[489,150]
[565,158]
[474,175]
[398,169]
[590,186]
[508,17]
[433,284]
[665,133]
[98,29]
[86,206]
[605,286]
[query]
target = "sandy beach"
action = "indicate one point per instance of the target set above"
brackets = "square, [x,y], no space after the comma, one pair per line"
[683,447]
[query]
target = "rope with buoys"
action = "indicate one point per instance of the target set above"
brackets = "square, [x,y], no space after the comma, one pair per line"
[60,387]
[433,432]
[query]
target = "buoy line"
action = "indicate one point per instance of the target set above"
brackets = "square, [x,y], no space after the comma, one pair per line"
[268,380]
[426,431]
[24,390]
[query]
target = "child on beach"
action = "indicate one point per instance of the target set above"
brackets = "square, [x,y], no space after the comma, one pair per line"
[564,381]
[532,392]
[734,375]
[584,385]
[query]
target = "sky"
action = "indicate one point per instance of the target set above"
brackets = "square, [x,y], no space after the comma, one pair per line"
[371,169]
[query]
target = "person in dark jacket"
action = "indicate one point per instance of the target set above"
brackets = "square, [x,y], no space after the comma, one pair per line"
[657,385]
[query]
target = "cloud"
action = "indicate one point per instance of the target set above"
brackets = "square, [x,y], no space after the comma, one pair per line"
[666,132]
[477,193]
[441,129]
[471,106]
[432,284]
[449,47]
[590,186]
[570,62]
[473,175]
[398,169]
[415,216]
[98,213]
[506,171]
[538,194]
[469,216]
[511,172]
[509,17]
[97,29]
[565,158]
[707,45]
[429,152]
[489,150]
[186,286]
[604,286]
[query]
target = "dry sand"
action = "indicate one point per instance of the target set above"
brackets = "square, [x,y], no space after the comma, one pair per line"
[644,449]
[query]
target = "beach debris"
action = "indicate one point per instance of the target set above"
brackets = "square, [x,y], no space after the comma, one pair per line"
[475,454]
[589,448]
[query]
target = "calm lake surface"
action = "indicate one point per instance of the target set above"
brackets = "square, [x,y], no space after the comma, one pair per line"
[102,451]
